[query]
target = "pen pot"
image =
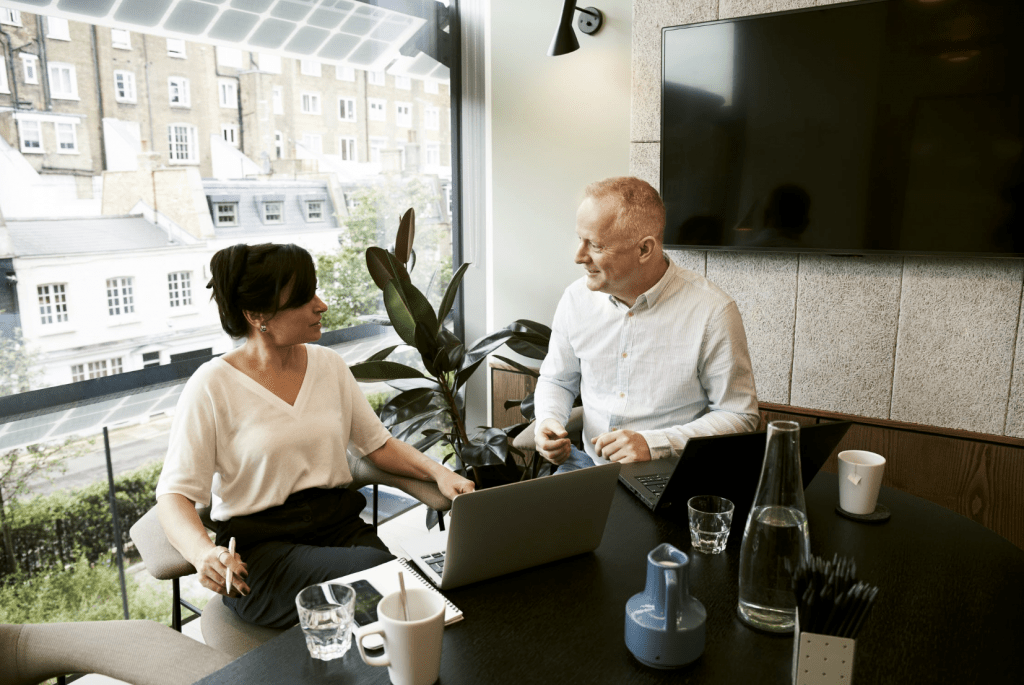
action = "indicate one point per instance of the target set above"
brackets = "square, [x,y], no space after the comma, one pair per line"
[821,659]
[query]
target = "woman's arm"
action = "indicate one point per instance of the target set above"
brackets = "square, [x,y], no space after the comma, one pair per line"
[186,533]
[401,459]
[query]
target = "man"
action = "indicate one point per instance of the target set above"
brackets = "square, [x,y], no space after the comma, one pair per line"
[657,352]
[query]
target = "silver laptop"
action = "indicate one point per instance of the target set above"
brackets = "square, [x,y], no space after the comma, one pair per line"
[511,527]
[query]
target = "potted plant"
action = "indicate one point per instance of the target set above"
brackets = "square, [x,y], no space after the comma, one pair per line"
[428,409]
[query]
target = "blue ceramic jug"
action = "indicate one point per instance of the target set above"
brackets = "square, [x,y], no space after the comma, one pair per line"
[665,625]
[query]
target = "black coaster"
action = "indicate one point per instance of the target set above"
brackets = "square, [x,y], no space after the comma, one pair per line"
[879,515]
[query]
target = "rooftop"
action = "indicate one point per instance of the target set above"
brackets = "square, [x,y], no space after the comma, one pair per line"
[39,237]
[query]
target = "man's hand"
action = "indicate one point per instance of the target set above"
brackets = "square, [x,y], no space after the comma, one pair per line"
[452,484]
[212,571]
[552,441]
[623,446]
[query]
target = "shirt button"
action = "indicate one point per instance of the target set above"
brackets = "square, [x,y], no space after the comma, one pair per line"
[623,355]
[622,394]
[630,314]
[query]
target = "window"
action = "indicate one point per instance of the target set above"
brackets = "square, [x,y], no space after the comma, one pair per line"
[313,142]
[273,212]
[53,303]
[433,154]
[376,108]
[176,48]
[314,210]
[98,369]
[31,135]
[311,103]
[12,17]
[77,373]
[279,144]
[347,109]
[430,86]
[57,28]
[67,138]
[178,92]
[448,198]
[229,132]
[124,86]
[120,297]
[31,65]
[376,78]
[229,57]
[269,63]
[182,143]
[225,213]
[403,114]
[4,88]
[345,73]
[63,84]
[403,83]
[120,39]
[151,358]
[228,91]
[376,145]
[347,148]
[179,288]
[278,100]
[309,67]
[431,118]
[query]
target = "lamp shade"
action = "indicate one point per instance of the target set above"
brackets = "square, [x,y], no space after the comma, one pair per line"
[565,41]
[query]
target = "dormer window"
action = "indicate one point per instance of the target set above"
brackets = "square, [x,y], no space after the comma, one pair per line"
[225,213]
[314,210]
[273,212]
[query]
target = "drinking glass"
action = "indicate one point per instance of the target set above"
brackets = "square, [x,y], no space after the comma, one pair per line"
[710,523]
[325,613]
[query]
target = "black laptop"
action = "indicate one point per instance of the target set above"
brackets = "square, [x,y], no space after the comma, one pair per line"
[725,465]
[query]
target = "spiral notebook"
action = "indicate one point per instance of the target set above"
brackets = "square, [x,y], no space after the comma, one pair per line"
[385,579]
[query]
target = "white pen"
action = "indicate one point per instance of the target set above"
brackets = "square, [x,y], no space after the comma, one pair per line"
[231,552]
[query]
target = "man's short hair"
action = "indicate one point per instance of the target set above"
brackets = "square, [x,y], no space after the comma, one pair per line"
[641,211]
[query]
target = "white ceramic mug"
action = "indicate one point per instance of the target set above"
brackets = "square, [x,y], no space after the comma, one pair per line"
[412,649]
[860,477]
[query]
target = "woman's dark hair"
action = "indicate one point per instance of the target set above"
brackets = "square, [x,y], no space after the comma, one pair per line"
[251,278]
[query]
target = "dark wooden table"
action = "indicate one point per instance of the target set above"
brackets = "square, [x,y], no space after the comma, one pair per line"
[949,610]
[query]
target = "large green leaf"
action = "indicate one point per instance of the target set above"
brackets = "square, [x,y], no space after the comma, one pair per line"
[463,376]
[382,354]
[448,301]
[525,369]
[376,264]
[406,236]
[529,338]
[376,371]
[412,427]
[430,439]
[487,344]
[399,312]
[406,405]
[417,303]
[403,384]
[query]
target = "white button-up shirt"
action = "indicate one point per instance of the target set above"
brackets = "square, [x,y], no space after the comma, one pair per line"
[673,366]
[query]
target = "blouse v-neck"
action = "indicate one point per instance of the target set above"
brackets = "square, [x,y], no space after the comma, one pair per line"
[272,396]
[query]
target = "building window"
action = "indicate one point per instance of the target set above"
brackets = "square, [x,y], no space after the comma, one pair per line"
[313,142]
[448,198]
[279,144]
[376,107]
[124,86]
[269,63]
[120,39]
[181,139]
[178,92]
[229,57]
[376,78]
[346,109]
[63,84]
[376,145]
[31,135]
[176,48]
[225,213]
[273,212]
[278,100]
[67,138]
[431,118]
[430,86]
[12,17]
[97,369]
[314,210]
[403,114]
[4,87]
[347,148]
[179,288]
[57,28]
[53,303]
[309,67]
[228,91]
[403,83]
[311,103]
[31,65]
[150,359]
[345,73]
[433,154]
[120,296]
[77,373]
[230,133]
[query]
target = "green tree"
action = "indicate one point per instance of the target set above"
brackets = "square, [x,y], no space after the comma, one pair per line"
[17,364]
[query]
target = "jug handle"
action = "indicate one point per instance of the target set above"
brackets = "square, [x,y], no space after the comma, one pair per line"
[671,599]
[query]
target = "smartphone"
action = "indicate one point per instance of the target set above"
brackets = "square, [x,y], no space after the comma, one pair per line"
[367,598]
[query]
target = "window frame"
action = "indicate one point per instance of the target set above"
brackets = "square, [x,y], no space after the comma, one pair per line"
[184,92]
[30,68]
[125,44]
[227,93]
[382,143]
[310,67]
[61,150]
[277,99]
[431,86]
[272,67]
[311,98]
[127,98]
[434,147]
[403,121]
[266,212]
[23,139]
[348,112]
[120,291]
[191,143]
[220,212]
[10,17]
[61,33]
[60,93]
[229,130]
[432,118]
[377,109]
[347,149]
[60,304]
[307,211]
[402,82]
[376,78]
[313,142]
[173,51]
[179,290]
[4,85]
[344,73]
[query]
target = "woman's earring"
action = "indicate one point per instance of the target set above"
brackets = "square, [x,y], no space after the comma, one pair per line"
[263,328]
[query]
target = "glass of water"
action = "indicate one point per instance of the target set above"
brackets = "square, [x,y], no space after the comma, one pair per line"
[710,522]
[325,613]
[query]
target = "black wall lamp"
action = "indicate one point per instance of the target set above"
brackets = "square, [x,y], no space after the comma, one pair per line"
[564,42]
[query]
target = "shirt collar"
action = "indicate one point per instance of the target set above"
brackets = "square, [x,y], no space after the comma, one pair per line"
[650,298]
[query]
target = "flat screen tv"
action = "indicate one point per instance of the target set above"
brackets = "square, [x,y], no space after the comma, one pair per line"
[889,126]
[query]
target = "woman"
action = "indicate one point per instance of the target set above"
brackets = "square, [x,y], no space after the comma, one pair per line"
[265,428]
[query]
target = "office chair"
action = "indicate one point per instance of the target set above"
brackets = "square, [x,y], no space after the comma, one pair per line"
[138,652]
[221,627]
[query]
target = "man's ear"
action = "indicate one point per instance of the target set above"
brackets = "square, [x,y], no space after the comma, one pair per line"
[647,248]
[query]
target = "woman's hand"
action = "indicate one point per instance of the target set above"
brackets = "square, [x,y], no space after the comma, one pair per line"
[452,484]
[212,569]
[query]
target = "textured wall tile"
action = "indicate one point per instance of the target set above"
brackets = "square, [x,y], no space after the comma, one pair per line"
[954,348]
[649,16]
[764,287]
[1015,408]
[694,260]
[846,316]
[645,162]
[745,8]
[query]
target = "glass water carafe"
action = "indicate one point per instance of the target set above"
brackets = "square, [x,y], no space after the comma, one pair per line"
[776,538]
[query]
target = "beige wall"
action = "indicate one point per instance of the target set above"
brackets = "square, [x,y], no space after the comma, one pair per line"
[925,340]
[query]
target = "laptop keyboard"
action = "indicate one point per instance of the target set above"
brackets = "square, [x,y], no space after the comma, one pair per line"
[435,562]
[656,482]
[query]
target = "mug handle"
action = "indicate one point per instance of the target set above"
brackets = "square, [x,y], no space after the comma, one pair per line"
[371,629]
